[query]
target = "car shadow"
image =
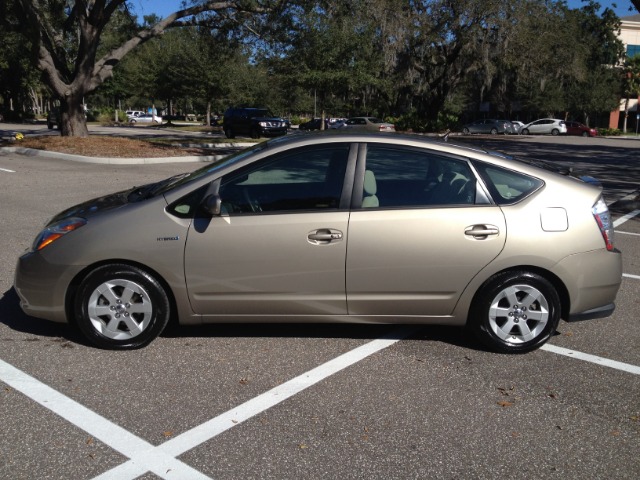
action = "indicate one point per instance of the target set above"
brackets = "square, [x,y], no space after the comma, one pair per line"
[13,317]
[455,336]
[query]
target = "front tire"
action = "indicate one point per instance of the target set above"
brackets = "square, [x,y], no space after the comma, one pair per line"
[465,131]
[229,133]
[515,312]
[121,307]
[524,131]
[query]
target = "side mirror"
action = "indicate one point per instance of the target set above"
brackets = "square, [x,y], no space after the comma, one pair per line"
[212,204]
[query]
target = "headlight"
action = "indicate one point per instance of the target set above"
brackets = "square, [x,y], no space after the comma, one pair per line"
[263,124]
[53,232]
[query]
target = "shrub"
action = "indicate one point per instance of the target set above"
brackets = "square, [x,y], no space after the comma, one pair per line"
[609,132]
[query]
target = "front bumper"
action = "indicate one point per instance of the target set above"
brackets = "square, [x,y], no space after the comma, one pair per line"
[42,286]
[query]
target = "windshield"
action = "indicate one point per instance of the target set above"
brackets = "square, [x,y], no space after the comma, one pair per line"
[158,188]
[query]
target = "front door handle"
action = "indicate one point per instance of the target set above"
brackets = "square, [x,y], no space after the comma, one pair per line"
[480,232]
[324,235]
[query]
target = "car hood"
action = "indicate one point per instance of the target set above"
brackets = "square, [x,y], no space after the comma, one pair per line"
[119,199]
[94,206]
[268,119]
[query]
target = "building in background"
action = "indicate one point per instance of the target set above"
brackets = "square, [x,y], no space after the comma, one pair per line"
[630,36]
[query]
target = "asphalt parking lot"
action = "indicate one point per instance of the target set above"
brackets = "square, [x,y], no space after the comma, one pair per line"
[316,401]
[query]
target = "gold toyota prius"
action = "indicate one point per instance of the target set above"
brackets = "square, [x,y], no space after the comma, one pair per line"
[356,227]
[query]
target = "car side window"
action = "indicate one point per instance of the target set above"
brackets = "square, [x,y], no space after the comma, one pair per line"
[506,186]
[308,178]
[405,177]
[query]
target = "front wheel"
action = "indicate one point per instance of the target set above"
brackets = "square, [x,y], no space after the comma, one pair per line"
[515,312]
[525,131]
[229,133]
[494,131]
[121,307]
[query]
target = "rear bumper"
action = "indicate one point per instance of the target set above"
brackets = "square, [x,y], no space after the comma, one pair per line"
[599,312]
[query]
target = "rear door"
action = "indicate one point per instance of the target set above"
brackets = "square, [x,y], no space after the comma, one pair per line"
[418,233]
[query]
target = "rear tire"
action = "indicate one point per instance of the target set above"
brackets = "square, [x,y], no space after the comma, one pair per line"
[555,132]
[465,131]
[229,133]
[515,312]
[121,307]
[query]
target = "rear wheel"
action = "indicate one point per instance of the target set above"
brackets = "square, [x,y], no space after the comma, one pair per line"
[229,133]
[585,134]
[555,132]
[494,131]
[515,312]
[465,131]
[121,307]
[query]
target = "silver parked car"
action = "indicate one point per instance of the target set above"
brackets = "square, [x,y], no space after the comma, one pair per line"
[545,126]
[490,126]
[369,123]
[350,227]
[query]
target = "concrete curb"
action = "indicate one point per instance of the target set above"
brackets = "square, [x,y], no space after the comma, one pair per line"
[31,152]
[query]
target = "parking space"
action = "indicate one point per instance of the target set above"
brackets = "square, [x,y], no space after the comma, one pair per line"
[306,401]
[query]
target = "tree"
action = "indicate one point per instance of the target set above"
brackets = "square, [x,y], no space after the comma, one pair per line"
[66,38]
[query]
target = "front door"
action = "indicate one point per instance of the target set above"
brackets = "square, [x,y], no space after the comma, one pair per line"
[279,247]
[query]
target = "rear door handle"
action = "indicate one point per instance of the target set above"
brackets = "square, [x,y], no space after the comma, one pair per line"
[324,235]
[480,232]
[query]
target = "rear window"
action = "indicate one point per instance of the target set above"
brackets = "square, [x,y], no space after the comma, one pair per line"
[506,186]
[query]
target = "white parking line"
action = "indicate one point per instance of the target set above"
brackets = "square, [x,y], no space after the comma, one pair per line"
[626,217]
[628,275]
[605,362]
[627,233]
[146,456]
[7,170]
[161,460]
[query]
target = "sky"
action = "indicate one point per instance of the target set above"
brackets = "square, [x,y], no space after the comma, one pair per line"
[163,8]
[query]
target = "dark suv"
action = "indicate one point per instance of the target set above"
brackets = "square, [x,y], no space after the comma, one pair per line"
[255,122]
[53,118]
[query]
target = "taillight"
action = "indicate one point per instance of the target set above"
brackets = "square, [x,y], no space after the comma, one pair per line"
[603,219]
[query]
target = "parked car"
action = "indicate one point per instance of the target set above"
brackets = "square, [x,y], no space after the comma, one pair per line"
[517,125]
[146,118]
[133,113]
[543,126]
[314,124]
[489,126]
[255,122]
[372,124]
[577,128]
[332,228]
[53,118]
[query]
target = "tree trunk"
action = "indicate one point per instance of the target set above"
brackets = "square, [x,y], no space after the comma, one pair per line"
[73,122]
